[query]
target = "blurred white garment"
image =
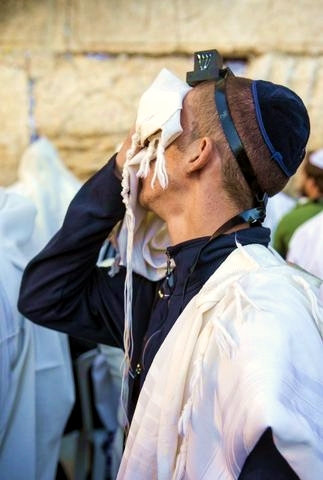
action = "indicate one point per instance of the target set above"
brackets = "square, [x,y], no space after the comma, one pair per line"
[37,386]
[107,380]
[44,179]
[277,206]
[305,248]
[17,362]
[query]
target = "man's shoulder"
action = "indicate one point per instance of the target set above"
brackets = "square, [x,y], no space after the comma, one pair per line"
[256,269]
[257,284]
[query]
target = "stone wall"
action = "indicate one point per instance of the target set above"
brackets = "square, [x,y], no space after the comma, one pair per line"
[74,70]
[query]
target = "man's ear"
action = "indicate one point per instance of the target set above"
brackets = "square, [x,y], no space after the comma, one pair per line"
[201,154]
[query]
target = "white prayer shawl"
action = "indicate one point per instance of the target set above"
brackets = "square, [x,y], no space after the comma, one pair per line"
[245,354]
[305,247]
[40,381]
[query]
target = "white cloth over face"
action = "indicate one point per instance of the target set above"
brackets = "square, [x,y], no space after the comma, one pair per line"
[36,360]
[236,362]
[305,247]
[143,236]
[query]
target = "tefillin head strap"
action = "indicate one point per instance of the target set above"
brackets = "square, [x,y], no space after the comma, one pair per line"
[208,66]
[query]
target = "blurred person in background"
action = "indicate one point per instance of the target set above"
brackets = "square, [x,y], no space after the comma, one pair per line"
[36,382]
[305,247]
[310,201]
[276,208]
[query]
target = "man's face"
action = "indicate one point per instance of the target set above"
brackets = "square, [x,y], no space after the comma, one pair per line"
[154,197]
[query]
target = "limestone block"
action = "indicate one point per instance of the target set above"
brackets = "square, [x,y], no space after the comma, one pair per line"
[86,105]
[153,27]
[239,28]
[14,132]
[236,28]
[33,25]
[302,74]
[121,25]
[39,63]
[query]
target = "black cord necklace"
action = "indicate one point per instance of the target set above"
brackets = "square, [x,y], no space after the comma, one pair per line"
[253,216]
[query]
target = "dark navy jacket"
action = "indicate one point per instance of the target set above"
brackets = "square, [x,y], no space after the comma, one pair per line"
[64,289]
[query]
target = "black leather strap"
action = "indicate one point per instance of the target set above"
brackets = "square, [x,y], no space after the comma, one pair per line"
[236,144]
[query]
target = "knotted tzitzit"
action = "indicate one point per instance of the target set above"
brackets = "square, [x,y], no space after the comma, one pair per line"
[143,236]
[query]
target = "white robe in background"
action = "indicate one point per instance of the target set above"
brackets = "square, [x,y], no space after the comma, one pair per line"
[277,206]
[17,359]
[305,247]
[37,386]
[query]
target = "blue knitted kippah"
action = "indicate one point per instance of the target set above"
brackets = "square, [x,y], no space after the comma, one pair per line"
[284,123]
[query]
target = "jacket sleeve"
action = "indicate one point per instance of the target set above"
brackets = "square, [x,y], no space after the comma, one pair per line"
[62,287]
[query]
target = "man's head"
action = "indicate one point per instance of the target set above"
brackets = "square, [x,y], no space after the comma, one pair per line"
[271,122]
[252,115]
[241,140]
[277,120]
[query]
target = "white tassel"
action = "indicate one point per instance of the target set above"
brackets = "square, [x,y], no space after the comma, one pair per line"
[130,224]
[160,167]
[149,155]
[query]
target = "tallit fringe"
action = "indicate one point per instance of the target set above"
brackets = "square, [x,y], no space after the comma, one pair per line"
[150,154]
[160,167]
[130,223]
[154,148]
